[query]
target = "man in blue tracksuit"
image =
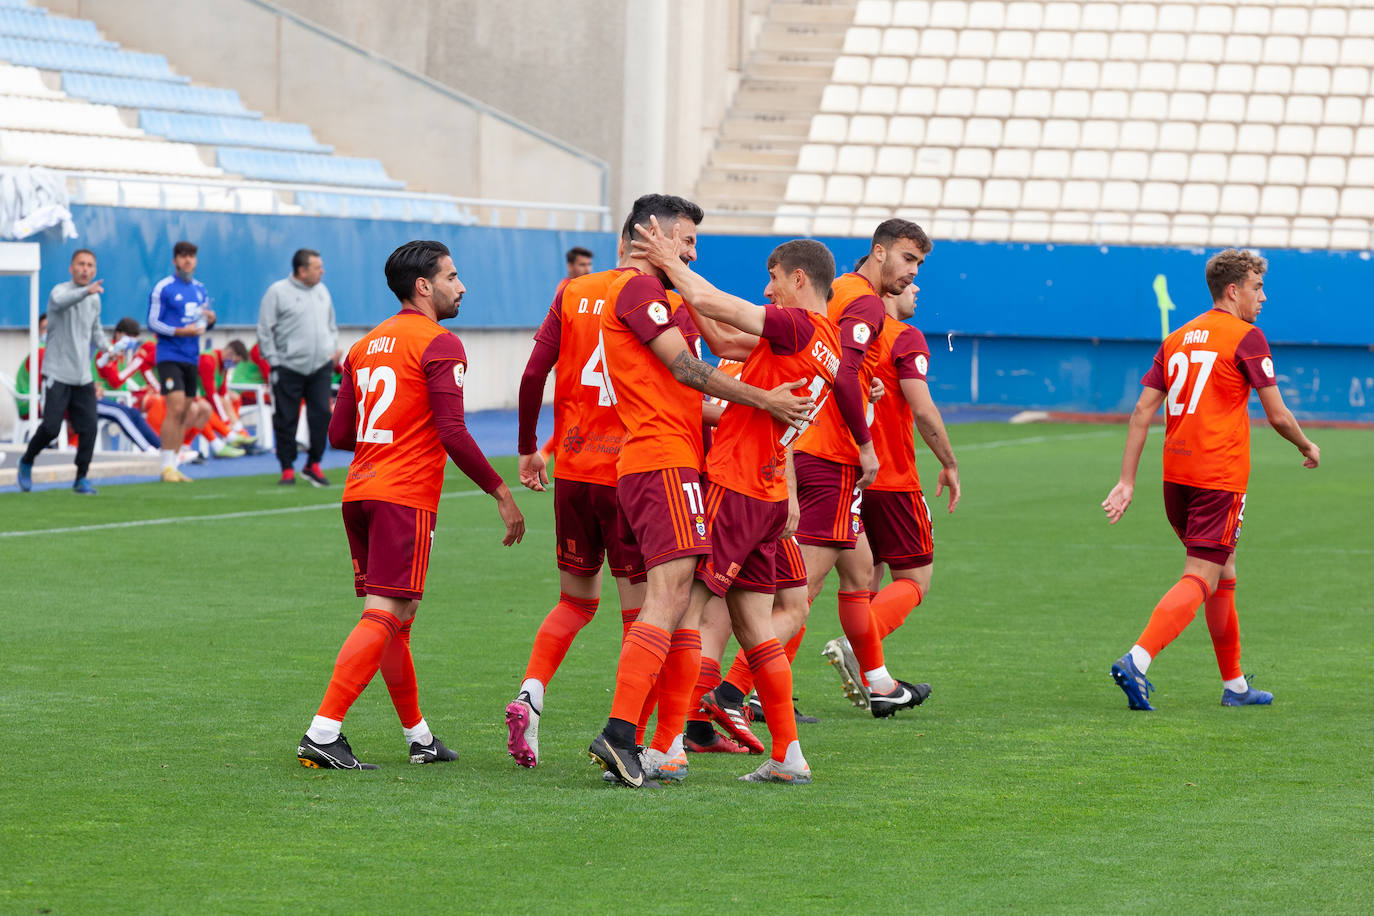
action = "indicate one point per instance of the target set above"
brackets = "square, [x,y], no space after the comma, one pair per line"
[178,313]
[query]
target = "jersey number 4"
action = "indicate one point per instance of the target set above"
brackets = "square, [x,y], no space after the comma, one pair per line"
[368,381]
[1178,378]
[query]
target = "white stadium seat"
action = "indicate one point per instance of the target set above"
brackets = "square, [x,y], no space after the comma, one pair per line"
[867,129]
[1246,122]
[896,159]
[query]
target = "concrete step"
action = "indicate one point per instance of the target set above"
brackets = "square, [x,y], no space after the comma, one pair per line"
[745,185]
[766,125]
[734,157]
[779,95]
[814,11]
[797,38]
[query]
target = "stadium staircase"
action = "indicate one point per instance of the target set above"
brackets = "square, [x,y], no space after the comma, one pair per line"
[1179,123]
[138,134]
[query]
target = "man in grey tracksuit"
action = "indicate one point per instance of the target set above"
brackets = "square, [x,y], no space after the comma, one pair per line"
[299,339]
[69,387]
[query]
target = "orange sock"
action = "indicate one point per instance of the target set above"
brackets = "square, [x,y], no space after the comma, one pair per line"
[190,436]
[646,711]
[893,604]
[641,658]
[773,677]
[856,619]
[398,670]
[628,615]
[707,679]
[556,635]
[793,645]
[1174,612]
[681,670]
[739,676]
[358,661]
[1224,626]
[217,426]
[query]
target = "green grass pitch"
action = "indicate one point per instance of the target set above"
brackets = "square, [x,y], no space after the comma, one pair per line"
[155,680]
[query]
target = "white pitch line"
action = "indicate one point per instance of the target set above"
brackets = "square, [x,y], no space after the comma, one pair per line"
[141,523]
[1035,440]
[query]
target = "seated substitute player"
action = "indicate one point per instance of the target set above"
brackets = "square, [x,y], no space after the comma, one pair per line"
[1203,372]
[895,515]
[747,500]
[587,523]
[836,459]
[653,380]
[399,410]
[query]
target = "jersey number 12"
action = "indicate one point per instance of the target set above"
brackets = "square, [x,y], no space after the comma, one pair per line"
[369,380]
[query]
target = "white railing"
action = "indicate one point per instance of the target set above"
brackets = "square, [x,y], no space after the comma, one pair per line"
[1095,229]
[242,196]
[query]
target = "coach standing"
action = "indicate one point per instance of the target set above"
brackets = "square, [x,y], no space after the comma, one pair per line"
[299,338]
[73,325]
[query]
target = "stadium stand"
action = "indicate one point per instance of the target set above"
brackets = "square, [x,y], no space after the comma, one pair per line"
[139,121]
[1137,122]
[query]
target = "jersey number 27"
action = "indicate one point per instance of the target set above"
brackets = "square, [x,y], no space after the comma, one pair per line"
[1178,378]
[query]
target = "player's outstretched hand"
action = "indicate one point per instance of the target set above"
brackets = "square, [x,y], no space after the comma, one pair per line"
[660,249]
[786,406]
[534,472]
[949,477]
[97,286]
[1311,456]
[511,515]
[868,464]
[1118,501]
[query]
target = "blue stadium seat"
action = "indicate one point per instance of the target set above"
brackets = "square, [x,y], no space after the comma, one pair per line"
[214,130]
[85,58]
[135,93]
[305,168]
[359,206]
[28,22]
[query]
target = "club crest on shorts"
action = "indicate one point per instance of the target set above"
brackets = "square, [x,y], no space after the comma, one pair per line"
[854,523]
[701,526]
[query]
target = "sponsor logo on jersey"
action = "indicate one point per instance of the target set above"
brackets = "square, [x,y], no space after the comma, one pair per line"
[458,370]
[659,314]
[861,334]
[1267,365]
[922,364]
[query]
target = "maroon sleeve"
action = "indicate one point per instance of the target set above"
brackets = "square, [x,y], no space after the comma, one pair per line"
[848,398]
[343,428]
[255,355]
[1155,378]
[1254,360]
[551,331]
[861,321]
[787,330]
[541,361]
[643,306]
[911,355]
[690,332]
[444,364]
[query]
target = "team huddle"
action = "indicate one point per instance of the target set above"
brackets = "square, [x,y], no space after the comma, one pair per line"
[717,517]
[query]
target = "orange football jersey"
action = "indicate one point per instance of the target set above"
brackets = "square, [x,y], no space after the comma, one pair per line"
[750,450]
[587,431]
[1206,369]
[662,416]
[859,314]
[398,456]
[902,353]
